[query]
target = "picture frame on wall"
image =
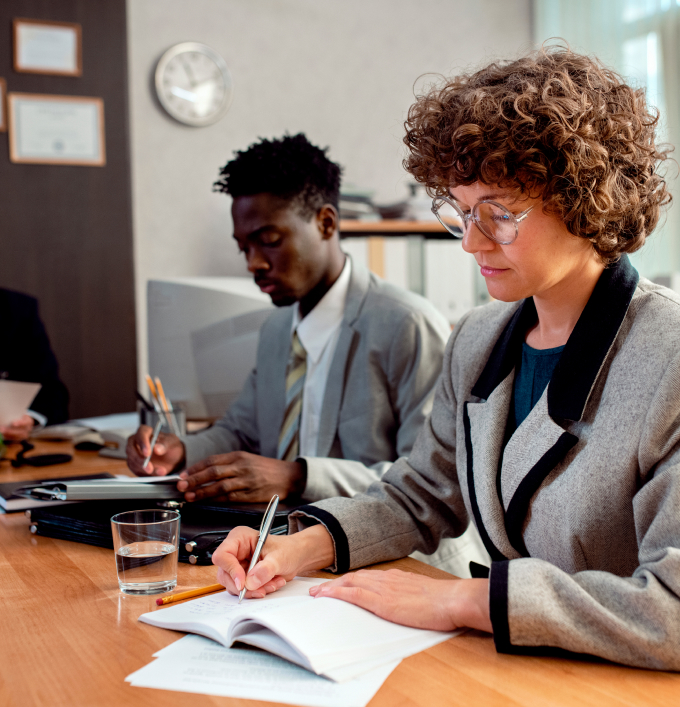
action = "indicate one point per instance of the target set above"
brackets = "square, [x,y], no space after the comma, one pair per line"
[55,129]
[3,105]
[47,47]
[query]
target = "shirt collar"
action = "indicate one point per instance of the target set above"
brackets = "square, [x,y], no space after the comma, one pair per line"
[316,329]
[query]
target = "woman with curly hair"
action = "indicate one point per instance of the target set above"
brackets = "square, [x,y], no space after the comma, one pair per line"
[556,423]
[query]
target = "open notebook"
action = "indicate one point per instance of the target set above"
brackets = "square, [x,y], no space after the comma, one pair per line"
[328,637]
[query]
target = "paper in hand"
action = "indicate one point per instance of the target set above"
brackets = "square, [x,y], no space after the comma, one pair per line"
[15,397]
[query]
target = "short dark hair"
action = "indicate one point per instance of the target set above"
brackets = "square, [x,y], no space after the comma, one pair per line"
[290,168]
[554,124]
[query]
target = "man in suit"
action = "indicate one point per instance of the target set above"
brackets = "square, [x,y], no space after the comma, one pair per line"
[346,366]
[27,356]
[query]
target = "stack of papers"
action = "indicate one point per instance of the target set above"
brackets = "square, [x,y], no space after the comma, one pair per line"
[15,397]
[196,664]
[328,637]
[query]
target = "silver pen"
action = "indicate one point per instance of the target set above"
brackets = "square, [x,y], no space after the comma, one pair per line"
[264,532]
[154,439]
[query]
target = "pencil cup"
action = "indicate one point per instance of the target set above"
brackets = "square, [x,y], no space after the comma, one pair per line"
[146,544]
[177,417]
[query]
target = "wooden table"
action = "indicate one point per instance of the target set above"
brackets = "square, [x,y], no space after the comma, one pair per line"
[69,637]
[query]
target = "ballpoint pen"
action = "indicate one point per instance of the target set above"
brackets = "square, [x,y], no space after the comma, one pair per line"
[154,439]
[264,532]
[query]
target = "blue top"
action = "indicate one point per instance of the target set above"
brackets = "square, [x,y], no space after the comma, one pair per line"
[531,379]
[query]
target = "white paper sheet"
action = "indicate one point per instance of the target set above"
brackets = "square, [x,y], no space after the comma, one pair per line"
[196,664]
[339,640]
[120,421]
[15,397]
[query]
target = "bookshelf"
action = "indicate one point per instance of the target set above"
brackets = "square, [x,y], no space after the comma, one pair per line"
[421,256]
[430,230]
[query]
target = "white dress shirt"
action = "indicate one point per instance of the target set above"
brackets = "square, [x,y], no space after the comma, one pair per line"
[318,333]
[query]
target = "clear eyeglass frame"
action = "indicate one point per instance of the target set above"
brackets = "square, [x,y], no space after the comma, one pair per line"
[509,222]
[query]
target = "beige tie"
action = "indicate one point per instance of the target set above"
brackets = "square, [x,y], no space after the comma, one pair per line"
[289,437]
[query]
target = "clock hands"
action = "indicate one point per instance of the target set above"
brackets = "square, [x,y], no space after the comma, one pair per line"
[193,84]
[183,93]
[189,72]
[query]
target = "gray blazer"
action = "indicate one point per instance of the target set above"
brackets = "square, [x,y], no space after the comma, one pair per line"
[379,390]
[580,510]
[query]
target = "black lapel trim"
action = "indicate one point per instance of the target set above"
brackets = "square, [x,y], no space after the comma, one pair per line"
[591,340]
[333,526]
[493,551]
[583,354]
[519,505]
[503,357]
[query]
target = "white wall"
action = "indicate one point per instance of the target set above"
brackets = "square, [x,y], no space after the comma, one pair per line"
[342,72]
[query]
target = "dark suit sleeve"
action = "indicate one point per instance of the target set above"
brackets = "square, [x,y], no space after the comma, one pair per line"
[33,360]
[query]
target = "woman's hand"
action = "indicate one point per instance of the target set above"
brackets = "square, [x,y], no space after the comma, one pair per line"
[414,600]
[282,558]
[168,453]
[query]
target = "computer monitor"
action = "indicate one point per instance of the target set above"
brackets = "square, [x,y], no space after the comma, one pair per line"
[178,308]
[224,355]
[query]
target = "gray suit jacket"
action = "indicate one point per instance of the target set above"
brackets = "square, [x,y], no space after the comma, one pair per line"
[379,390]
[580,510]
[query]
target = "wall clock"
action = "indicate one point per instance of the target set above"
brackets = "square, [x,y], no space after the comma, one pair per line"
[193,84]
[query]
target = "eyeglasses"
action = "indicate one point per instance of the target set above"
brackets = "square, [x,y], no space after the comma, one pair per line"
[490,217]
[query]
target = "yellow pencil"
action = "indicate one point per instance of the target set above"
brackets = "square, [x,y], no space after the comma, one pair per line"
[189,594]
[167,407]
[152,389]
[161,395]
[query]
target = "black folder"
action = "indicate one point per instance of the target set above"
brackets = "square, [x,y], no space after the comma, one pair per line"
[203,525]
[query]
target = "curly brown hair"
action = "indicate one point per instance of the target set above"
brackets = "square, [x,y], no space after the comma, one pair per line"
[553,124]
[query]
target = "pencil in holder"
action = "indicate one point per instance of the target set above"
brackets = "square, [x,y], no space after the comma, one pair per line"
[150,418]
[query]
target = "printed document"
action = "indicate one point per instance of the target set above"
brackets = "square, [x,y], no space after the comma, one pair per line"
[196,664]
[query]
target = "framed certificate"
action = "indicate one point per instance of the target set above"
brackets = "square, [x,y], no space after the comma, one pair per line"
[47,129]
[3,105]
[45,47]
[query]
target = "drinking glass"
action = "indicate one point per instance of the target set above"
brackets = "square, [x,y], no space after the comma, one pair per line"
[146,545]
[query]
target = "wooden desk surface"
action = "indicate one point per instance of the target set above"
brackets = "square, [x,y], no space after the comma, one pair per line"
[69,637]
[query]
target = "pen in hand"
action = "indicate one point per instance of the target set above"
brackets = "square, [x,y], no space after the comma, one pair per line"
[264,532]
[154,439]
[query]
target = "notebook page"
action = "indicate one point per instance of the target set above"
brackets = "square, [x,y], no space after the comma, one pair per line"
[213,615]
[338,638]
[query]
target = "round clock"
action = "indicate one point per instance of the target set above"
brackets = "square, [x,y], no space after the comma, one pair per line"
[193,84]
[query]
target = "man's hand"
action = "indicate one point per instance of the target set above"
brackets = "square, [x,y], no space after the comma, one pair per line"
[19,429]
[414,600]
[282,558]
[168,453]
[242,477]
